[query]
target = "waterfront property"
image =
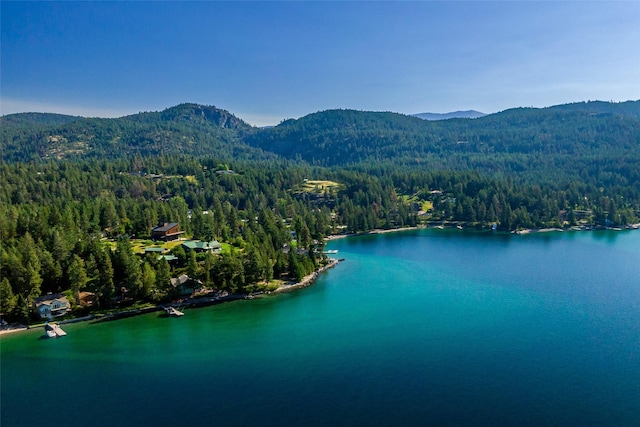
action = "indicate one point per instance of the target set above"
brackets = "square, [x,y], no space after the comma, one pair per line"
[185,285]
[53,330]
[52,305]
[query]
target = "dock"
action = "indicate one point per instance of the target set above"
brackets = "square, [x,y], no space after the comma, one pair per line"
[53,330]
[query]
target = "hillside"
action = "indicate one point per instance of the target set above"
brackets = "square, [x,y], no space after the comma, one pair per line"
[591,141]
[186,128]
[35,120]
[581,142]
[468,114]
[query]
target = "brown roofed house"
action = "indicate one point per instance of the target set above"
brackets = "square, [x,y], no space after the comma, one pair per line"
[167,232]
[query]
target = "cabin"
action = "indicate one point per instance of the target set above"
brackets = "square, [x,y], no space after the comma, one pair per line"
[199,246]
[50,306]
[168,231]
[86,298]
[185,285]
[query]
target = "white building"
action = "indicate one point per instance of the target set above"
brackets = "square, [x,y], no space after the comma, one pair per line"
[50,306]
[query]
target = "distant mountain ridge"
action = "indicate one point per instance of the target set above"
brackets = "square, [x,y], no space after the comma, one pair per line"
[190,129]
[336,137]
[36,119]
[468,114]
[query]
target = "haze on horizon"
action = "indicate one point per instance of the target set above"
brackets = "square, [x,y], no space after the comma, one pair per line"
[268,61]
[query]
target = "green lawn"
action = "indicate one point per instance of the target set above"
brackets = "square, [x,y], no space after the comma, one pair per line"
[318,186]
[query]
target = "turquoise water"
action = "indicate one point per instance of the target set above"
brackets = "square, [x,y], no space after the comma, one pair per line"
[414,328]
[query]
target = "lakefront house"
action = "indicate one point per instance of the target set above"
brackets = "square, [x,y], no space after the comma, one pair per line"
[185,285]
[50,306]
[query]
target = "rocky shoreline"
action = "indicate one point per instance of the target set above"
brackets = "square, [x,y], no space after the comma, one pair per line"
[202,301]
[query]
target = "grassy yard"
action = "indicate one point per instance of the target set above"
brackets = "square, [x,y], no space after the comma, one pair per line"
[427,206]
[318,186]
[138,245]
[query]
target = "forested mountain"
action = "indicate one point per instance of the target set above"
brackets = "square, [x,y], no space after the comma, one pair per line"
[74,191]
[596,143]
[340,137]
[628,108]
[35,120]
[186,128]
[583,131]
[468,114]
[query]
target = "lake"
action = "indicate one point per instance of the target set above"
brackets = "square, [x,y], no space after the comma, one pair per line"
[421,327]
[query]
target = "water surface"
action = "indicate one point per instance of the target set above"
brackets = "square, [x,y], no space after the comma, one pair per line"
[420,327]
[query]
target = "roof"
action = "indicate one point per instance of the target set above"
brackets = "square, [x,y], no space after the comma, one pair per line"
[168,257]
[154,249]
[49,299]
[180,280]
[166,227]
[198,244]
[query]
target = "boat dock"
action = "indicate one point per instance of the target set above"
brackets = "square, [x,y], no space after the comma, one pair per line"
[53,330]
[173,312]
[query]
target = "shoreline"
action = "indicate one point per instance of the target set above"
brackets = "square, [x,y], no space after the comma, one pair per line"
[460,226]
[188,303]
[374,231]
[306,281]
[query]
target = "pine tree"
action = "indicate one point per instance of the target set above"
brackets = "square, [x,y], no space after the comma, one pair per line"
[296,269]
[105,288]
[193,269]
[148,280]
[29,273]
[77,276]
[7,299]
[163,276]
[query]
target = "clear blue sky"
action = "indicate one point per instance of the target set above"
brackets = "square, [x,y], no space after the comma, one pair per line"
[266,61]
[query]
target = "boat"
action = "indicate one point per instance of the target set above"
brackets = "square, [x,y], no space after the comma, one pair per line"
[173,312]
[53,330]
[331,252]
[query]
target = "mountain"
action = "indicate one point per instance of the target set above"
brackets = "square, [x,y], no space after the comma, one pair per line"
[186,128]
[469,114]
[339,137]
[193,114]
[627,108]
[582,139]
[33,120]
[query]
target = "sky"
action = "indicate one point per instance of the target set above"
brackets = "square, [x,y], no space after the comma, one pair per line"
[269,61]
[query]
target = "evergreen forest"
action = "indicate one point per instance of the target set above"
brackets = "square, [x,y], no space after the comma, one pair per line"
[79,197]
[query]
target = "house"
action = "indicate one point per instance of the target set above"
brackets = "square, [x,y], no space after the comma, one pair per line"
[299,251]
[185,285]
[87,298]
[50,306]
[199,246]
[155,249]
[167,232]
[171,259]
